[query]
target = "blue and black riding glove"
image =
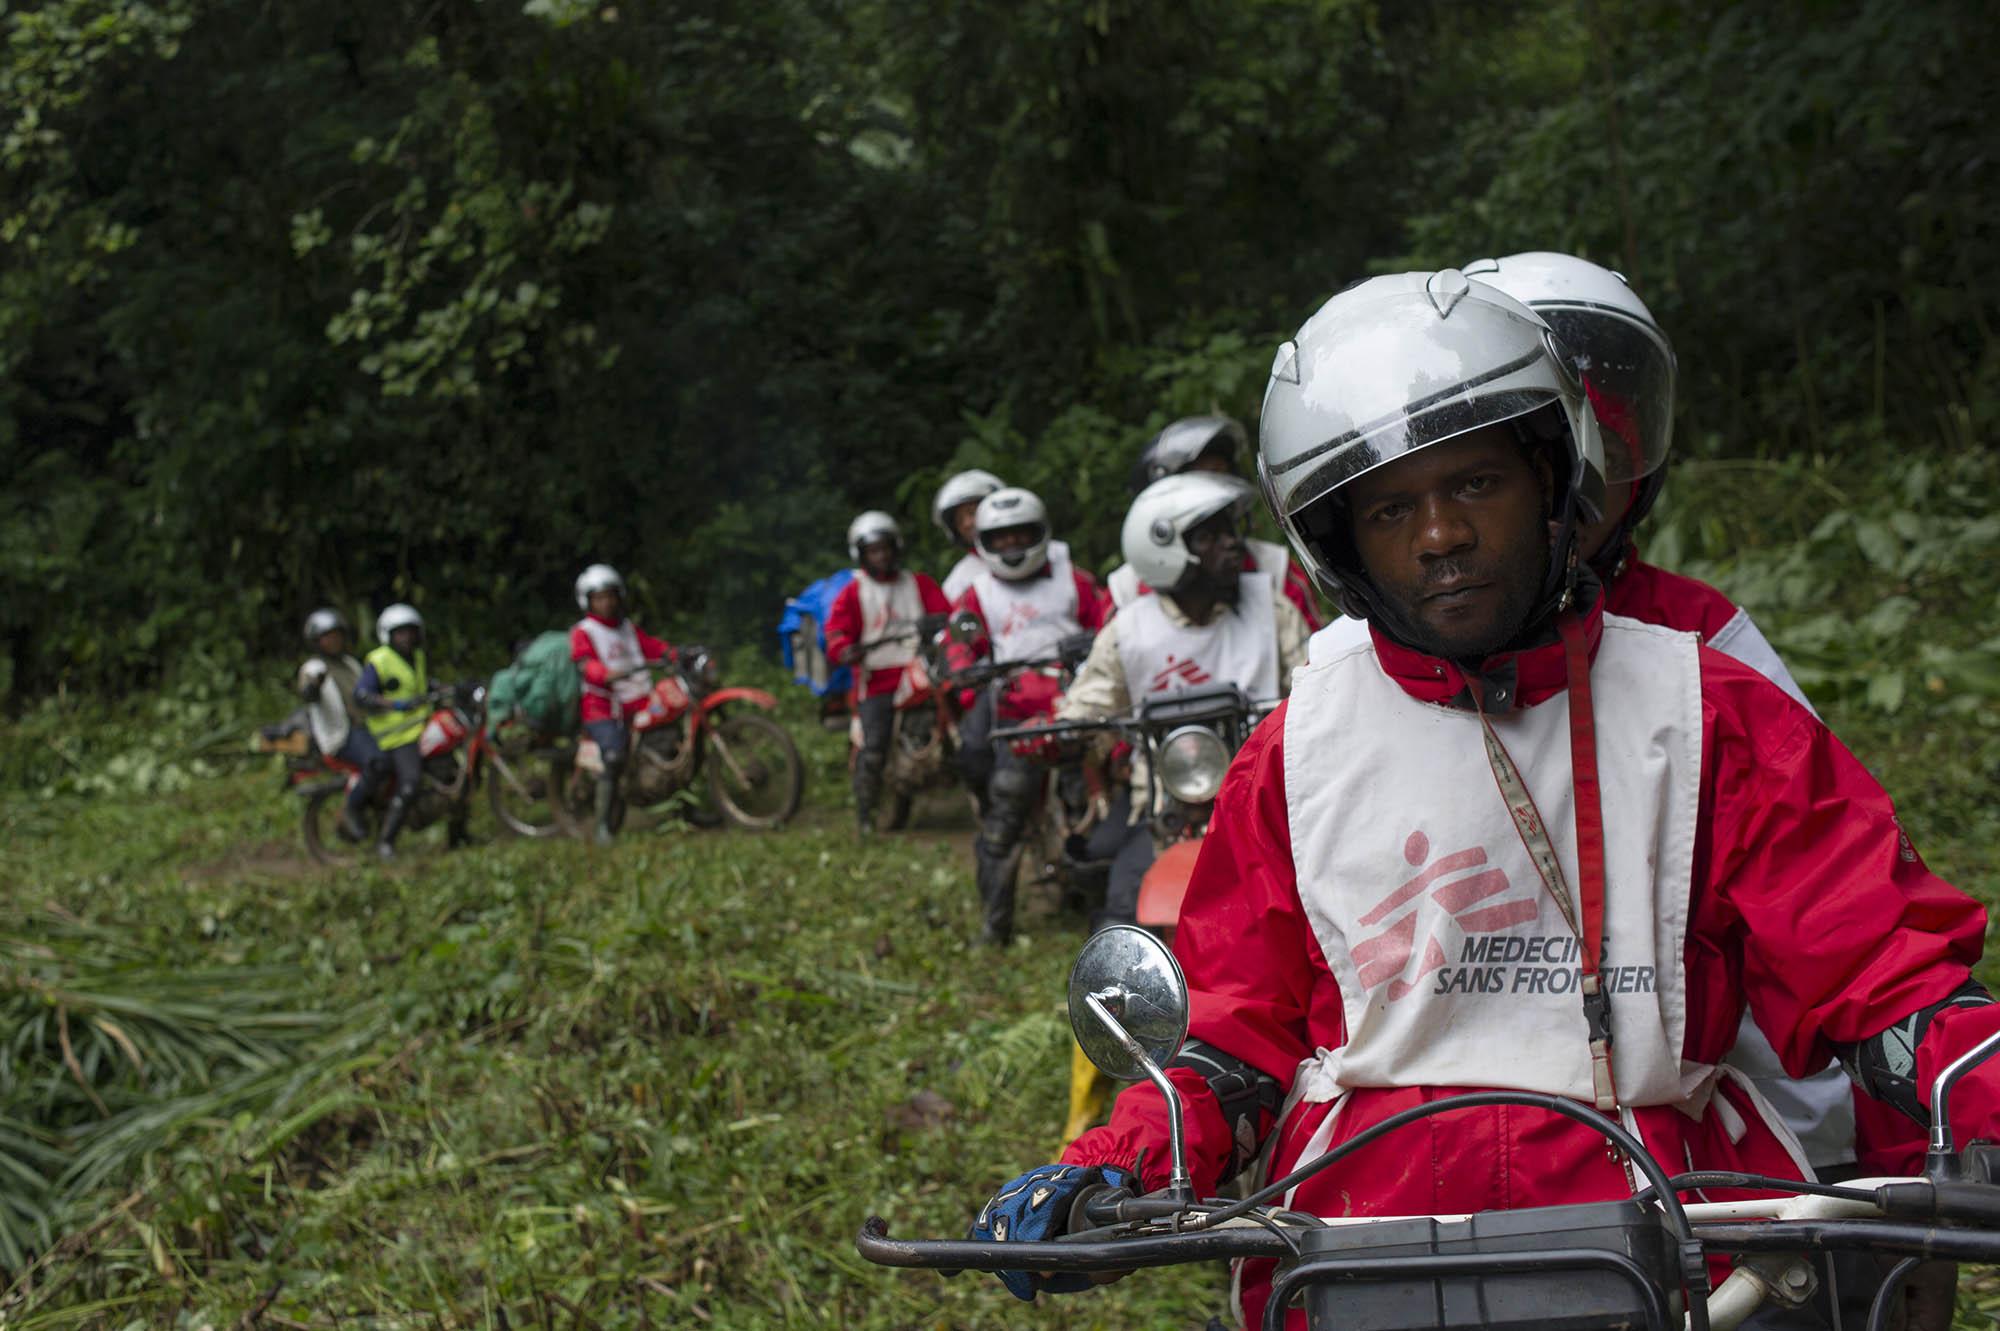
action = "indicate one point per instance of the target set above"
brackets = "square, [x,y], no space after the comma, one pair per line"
[1037,1206]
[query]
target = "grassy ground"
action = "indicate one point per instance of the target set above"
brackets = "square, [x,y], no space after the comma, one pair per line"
[539,1085]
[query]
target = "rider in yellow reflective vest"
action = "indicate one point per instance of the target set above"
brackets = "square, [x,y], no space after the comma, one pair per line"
[394,681]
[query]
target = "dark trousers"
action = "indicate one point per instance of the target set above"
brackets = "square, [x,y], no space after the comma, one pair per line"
[975,750]
[1010,798]
[1129,847]
[610,738]
[361,749]
[878,722]
[407,762]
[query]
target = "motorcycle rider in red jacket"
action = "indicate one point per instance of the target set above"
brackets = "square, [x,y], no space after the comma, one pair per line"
[1027,599]
[612,652]
[1628,368]
[1509,822]
[883,597]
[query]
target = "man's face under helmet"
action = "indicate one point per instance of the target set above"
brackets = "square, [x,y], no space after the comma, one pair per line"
[1398,365]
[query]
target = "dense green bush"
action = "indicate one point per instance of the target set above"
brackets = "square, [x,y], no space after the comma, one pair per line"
[440,302]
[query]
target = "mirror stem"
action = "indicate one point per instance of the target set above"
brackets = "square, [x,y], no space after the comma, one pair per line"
[1941,1161]
[1180,1186]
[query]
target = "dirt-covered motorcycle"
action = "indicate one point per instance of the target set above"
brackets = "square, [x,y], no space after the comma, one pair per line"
[691,725]
[455,751]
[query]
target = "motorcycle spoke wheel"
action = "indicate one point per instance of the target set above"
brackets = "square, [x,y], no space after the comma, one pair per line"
[755,771]
[322,824]
[526,797]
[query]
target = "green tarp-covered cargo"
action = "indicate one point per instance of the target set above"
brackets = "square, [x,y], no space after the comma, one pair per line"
[543,685]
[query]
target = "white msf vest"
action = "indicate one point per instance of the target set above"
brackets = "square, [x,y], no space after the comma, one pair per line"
[1455,967]
[1819,1109]
[883,604]
[617,646]
[962,573]
[1239,646]
[1026,619]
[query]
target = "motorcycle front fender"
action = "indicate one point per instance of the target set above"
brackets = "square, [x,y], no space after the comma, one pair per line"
[755,697]
[1166,883]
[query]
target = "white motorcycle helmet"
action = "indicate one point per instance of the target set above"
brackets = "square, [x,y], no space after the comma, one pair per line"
[397,616]
[1012,507]
[595,579]
[1176,448]
[324,621]
[874,525]
[1154,537]
[965,488]
[1618,348]
[1396,364]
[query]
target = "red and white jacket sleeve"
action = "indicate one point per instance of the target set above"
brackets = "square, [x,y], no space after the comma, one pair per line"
[1253,967]
[584,652]
[652,648]
[1094,606]
[843,621]
[1843,929]
[935,601]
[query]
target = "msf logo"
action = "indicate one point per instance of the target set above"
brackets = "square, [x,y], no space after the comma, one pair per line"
[1460,883]
[1184,674]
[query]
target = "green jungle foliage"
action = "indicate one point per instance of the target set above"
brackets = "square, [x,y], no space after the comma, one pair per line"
[536,1085]
[441,301]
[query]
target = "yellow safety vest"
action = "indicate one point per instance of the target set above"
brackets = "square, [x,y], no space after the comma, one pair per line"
[399,680]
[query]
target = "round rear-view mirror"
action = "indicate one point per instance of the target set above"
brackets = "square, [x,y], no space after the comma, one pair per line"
[1136,980]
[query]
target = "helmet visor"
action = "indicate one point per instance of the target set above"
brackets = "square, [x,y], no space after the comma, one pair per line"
[1628,371]
[1460,411]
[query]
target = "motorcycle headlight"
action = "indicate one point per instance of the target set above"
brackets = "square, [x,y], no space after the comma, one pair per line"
[703,669]
[1192,763]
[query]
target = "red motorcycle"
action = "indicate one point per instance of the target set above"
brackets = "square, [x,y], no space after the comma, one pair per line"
[690,723]
[923,738]
[451,769]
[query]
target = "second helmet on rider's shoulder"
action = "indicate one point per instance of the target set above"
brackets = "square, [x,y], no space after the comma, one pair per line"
[874,525]
[967,487]
[1400,363]
[1154,538]
[1004,509]
[1176,448]
[397,616]
[324,621]
[594,579]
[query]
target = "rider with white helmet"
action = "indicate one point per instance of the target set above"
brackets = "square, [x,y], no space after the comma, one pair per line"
[1628,370]
[952,510]
[1027,597]
[1511,840]
[612,653]
[1210,621]
[326,682]
[872,625]
[1213,444]
[395,680]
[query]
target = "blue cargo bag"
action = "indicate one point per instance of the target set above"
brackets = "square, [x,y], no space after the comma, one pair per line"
[802,637]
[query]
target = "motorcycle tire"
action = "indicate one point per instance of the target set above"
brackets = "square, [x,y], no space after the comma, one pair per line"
[755,771]
[322,821]
[527,802]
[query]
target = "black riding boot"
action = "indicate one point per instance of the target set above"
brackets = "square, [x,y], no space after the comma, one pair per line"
[392,824]
[867,788]
[607,802]
[996,867]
